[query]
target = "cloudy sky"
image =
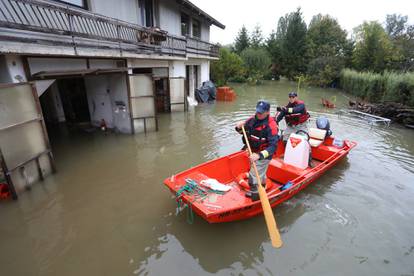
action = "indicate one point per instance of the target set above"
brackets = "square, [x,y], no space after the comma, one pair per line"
[350,13]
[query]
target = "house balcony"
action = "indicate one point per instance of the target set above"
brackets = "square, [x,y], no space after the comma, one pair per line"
[198,47]
[39,27]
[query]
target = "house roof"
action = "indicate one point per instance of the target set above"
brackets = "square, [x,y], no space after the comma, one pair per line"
[187,4]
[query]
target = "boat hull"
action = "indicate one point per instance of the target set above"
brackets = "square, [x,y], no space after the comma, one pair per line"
[234,205]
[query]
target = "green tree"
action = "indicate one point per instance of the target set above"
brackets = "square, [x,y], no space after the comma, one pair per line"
[256,38]
[273,46]
[256,62]
[229,66]
[293,44]
[402,37]
[328,49]
[242,40]
[395,25]
[373,48]
[325,70]
[326,37]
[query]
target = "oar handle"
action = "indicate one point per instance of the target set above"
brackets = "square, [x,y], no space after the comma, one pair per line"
[259,180]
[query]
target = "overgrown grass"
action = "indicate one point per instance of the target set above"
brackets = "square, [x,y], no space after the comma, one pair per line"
[388,86]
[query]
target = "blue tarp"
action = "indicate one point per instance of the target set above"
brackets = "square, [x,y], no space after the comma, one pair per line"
[206,93]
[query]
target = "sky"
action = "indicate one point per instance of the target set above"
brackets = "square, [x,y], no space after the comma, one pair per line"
[349,13]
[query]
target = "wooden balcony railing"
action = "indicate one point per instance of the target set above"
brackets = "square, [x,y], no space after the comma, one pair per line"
[199,47]
[81,26]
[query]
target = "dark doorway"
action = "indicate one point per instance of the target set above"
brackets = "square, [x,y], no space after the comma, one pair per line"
[74,100]
[187,80]
[195,71]
[162,95]
[49,109]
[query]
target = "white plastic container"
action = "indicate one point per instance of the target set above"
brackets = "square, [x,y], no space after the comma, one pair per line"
[297,151]
[339,143]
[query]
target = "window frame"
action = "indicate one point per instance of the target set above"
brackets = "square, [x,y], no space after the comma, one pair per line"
[195,22]
[142,7]
[187,22]
[85,4]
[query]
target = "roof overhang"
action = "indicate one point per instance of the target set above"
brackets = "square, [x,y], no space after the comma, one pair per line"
[190,6]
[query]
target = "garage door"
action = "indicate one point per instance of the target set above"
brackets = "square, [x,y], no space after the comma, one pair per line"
[25,153]
[144,115]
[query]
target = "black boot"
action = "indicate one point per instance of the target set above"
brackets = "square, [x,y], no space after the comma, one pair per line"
[253,193]
[255,196]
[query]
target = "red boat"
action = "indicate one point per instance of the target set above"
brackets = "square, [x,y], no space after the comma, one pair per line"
[229,170]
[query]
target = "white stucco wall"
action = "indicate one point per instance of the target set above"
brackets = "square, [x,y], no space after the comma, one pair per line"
[147,63]
[105,63]
[205,32]
[126,10]
[11,69]
[204,71]
[170,17]
[103,92]
[176,69]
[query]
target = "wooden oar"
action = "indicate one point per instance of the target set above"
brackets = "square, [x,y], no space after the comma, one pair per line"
[267,210]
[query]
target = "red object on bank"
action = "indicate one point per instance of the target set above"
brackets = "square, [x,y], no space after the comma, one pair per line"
[4,191]
[225,93]
[327,103]
[228,170]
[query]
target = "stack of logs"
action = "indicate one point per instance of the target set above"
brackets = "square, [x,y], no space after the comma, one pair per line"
[225,93]
[397,112]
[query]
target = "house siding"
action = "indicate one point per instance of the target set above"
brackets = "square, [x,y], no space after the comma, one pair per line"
[126,10]
[170,17]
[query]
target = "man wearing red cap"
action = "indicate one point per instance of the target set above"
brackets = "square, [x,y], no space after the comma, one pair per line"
[261,130]
[295,114]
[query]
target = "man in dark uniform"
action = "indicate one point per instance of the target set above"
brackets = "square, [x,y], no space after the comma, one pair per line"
[261,130]
[295,114]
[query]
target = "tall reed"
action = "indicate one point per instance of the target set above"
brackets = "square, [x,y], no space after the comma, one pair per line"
[388,86]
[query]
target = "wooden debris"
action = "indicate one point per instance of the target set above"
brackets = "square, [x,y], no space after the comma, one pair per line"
[397,112]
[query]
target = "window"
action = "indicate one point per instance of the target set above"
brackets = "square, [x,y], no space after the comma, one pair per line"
[196,28]
[185,24]
[76,3]
[146,13]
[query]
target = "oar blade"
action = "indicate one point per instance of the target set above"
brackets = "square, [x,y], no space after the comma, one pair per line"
[270,219]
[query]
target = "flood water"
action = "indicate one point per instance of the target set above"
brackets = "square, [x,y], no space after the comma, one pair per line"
[107,212]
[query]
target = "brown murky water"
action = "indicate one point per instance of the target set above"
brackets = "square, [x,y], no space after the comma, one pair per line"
[106,211]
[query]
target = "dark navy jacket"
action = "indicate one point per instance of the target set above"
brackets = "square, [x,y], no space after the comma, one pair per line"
[297,115]
[265,131]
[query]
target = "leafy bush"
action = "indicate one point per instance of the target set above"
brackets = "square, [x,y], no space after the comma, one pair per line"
[324,71]
[256,62]
[228,67]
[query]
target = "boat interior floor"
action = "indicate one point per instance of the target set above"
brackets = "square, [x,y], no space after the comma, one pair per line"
[278,172]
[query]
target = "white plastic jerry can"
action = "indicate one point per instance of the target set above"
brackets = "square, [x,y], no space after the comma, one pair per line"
[297,151]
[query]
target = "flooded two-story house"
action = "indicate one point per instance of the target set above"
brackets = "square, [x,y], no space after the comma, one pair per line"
[94,63]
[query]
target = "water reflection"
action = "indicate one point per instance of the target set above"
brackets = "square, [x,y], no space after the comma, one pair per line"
[106,211]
